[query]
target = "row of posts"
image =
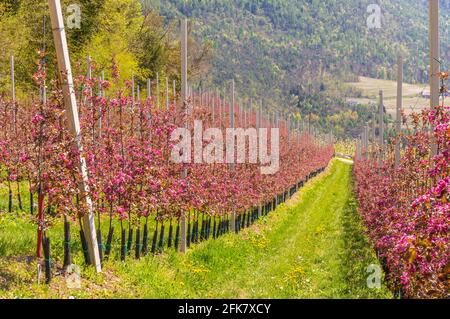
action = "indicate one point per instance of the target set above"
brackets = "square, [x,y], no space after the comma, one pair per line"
[363,147]
[70,103]
[362,143]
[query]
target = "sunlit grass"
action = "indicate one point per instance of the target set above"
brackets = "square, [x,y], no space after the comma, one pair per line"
[311,247]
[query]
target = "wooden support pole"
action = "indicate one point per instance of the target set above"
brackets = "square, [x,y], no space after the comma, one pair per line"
[213,108]
[381,127]
[13,94]
[13,84]
[366,141]
[149,88]
[398,115]
[184,97]
[100,115]
[434,59]
[102,89]
[245,118]
[259,116]
[174,84]
[233,101]
[70,103]
[157,90]
[133,89]
[374,134]
[434,52]
[238,112]
[167,93]
[358,149]
[232,104]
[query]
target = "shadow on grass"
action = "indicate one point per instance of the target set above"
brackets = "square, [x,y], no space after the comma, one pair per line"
[12,270]
[358,259]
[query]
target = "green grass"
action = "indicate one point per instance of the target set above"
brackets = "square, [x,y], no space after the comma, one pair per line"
[311,247]
[24,194]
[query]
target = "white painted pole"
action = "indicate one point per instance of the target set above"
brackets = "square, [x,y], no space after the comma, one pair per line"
[70,103]
[398,119]
[184,97]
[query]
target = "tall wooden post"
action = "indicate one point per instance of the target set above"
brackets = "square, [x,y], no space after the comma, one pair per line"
[184,97]
[167,93]
[174,92]
[358,149]
[381,126]
[434,52]
[233,101]
[260,115]
[13,84]
[13,93]
[366,141]
[157,90]
[40,205]
[434,59]
[149,88]
[70,103]
[398,117]
[374,135]
[213,108]
[43,93]
[102,90]
[133,89]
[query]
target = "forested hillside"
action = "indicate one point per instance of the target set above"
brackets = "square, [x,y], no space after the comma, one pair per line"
[289,54]
[112,32]
[294,50]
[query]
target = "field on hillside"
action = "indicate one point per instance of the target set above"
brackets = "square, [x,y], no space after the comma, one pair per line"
[370,88]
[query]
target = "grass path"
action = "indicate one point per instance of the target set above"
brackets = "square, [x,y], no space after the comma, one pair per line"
[311,247]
